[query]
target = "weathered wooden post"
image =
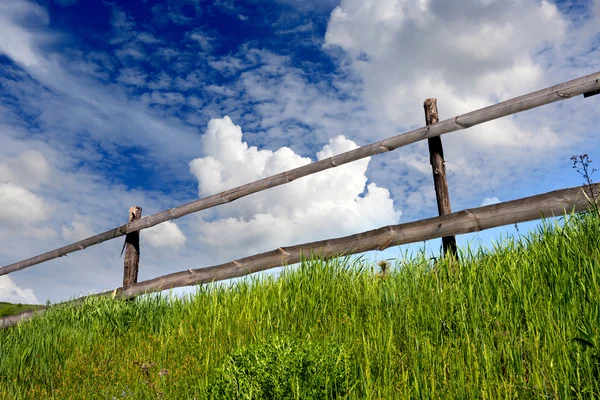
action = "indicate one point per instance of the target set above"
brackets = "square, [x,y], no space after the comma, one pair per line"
[436,158]
[132,250]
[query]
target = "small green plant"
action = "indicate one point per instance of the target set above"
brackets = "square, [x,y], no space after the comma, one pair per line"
[284,368]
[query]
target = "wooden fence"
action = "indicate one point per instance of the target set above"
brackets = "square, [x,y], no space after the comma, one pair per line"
[445,226]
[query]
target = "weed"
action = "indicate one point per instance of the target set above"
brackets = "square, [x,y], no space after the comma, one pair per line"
[581,164]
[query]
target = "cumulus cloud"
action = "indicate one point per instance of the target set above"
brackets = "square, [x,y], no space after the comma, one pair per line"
[489,201]
[486,37]
[468,56]
[331,203]
[10,292]
[465,56]
[164,236]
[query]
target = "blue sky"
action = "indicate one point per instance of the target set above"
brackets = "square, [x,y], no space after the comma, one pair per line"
[105,105]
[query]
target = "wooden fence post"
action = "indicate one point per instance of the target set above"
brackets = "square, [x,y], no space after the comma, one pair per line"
[132,250]
[436,158]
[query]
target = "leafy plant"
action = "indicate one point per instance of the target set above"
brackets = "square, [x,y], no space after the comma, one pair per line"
[284,368]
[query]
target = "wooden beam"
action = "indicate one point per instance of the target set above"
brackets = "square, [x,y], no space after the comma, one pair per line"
[545,96]
[132,250]
[436,158]
[546,205]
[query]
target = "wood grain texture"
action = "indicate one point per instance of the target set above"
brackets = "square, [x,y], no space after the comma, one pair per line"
[438,167]
[131,264]
[551,204]
[545,96]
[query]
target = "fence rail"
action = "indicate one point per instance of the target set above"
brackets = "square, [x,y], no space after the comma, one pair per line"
[551,204]
[583,85]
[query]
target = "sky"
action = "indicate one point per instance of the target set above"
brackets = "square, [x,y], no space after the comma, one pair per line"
[155,103]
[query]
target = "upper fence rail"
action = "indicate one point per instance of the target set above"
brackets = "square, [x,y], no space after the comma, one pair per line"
[562,91]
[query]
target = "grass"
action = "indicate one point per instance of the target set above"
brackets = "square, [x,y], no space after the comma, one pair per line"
[7,309]
[519,321]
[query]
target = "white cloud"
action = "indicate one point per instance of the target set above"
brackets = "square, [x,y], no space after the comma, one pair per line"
[416,161]
[222,90]
[160,82]
[308,26]
[489,201]
[167,53]
[43,234]
[468,56]
[10,292]
[407,52]
[79,229]
[163,98]
[132,76]
[164,236]
[29,169]
[147,38]
[203,40]
[296,112]
[19,205]
[332,203]
[123,26]
[226,65]
[130,51]
[192,80]
[15,42]
[77,106]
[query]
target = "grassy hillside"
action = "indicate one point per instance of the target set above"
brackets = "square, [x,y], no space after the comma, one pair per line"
[10,308]
[520,321]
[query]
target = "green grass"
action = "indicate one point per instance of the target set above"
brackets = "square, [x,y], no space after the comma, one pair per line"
[519,321]
[7,309]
